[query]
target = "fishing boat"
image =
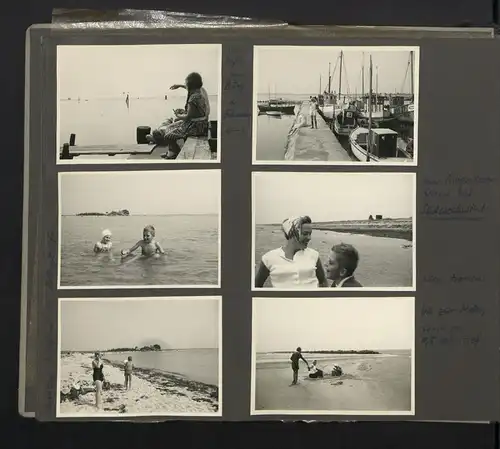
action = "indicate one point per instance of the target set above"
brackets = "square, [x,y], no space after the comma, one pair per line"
[377,145]
[276,105]
[346,121]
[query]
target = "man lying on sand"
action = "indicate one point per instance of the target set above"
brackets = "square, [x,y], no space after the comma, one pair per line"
[295,357]
[341,265]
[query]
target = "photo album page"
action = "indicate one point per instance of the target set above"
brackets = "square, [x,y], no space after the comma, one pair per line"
[247,225]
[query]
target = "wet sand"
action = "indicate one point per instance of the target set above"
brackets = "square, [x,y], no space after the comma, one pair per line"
[369,384]
[153,392]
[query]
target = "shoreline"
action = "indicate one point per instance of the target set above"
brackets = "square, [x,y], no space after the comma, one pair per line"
[396,228]
[153,391]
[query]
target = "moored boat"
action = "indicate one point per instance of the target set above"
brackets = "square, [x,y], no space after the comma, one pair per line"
[377,145]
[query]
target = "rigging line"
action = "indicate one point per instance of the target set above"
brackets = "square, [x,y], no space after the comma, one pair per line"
[346,78]
[405,78]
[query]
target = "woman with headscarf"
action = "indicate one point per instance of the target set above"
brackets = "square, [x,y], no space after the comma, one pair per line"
[293,265]
[190,122]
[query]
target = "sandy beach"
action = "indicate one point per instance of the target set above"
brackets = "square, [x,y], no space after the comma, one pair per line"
[370,383]
[153,392]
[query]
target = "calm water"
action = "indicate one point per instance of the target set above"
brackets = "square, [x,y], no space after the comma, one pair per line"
[273,131]
[201,365]
[383,261]
[109,121]
[191,244]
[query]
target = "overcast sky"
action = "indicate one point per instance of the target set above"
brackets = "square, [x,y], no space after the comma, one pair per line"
[102,323]
[298,69]
[159,192]
[96,71]
[282,324]
[332,196]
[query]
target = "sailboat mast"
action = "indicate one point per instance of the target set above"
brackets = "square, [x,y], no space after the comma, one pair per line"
[411,74]
[363,79]
[376,87]
[369,146]
[340,73]
[319,93]
[329,77]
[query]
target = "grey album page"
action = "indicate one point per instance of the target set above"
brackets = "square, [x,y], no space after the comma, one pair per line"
[206,194]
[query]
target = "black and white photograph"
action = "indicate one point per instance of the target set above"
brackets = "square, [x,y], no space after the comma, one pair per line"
[335,105]
[337,356]
[140,357]
[133,229]
[333,230]
[138,103]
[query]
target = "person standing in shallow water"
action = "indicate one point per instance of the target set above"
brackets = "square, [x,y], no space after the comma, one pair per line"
[293,265]
[295,357]
[127,370]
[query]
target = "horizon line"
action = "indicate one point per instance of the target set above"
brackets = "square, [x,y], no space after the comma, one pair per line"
[134,215]
[332,350]
[111,350]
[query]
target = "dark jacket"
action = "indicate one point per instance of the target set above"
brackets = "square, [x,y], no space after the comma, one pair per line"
[349,283]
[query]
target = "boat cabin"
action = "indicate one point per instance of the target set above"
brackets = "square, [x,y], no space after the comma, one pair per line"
[384,143]
[348,117]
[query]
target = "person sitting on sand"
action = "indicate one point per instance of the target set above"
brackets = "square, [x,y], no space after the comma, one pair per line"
[341,265]
[127,370]
[293,265]
[314,371]
[148,244]
[295,357]
[191,122]
[336,370]
[98,378]
[104,245]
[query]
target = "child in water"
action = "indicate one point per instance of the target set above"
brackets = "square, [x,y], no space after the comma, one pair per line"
[105,244]
[148,244]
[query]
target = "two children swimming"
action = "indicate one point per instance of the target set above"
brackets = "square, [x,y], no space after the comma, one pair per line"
[149,246]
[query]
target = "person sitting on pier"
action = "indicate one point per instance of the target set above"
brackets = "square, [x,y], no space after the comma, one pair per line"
[341,265]
[293,265]
[193,122]
[104,245]
[313,110]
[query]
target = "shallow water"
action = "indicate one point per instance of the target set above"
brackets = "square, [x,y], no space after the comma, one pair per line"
[201,365]
[384,262]
[190,243]
[109,121]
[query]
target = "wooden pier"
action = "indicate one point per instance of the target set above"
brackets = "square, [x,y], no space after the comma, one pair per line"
[307,144]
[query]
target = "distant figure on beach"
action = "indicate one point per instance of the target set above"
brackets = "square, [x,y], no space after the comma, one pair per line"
[127,100]
[149,246]
[293,265]
[192,122]
[341,265]
[127,371]
[295,357]
[98,378]
[104,245]
[313,110]
[314,371]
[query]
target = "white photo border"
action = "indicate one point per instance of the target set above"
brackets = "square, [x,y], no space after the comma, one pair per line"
[114,161]
[108,415]
[346,48]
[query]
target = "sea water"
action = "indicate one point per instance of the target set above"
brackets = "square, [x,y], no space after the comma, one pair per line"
[201,365]
[110,122]
[191,244]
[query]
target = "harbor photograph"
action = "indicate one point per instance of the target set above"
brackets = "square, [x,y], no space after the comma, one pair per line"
[333,356]
[125,229]
[157,356]
[138,103]
[335,105]
[333,230]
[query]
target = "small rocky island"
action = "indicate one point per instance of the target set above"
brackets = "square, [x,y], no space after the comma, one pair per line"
[113,213]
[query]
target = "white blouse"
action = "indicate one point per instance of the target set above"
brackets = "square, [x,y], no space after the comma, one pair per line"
[299,272]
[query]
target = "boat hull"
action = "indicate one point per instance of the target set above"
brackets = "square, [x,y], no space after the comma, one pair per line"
[288,110]
[360,153]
